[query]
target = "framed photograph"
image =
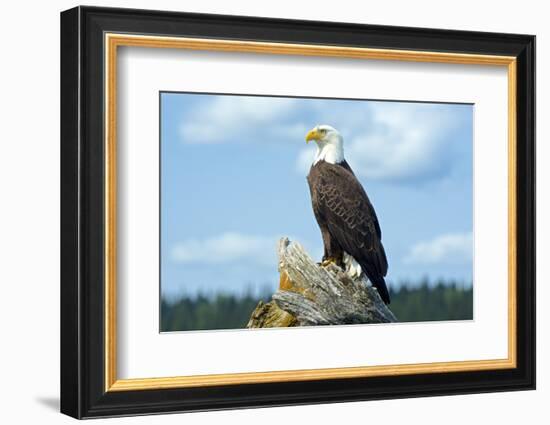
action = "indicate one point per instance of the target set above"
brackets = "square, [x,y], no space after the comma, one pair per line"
[261,212]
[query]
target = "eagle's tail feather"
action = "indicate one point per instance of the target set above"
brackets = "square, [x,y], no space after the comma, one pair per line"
[380,284]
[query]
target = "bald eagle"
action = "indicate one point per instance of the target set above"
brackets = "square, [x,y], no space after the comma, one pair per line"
[344,213]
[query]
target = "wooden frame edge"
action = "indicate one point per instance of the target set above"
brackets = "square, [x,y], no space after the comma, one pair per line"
[512,212]
[137,384]
[110,213]
[114,40]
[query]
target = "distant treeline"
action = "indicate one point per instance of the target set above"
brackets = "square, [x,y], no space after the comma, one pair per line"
[410,303]
[424,302]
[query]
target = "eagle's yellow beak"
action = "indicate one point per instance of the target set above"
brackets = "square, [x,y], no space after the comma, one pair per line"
[312,135]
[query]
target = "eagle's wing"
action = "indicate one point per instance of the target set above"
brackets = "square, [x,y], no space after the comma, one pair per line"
[352,221]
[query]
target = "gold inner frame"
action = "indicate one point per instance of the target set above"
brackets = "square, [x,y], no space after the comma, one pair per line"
[113,41]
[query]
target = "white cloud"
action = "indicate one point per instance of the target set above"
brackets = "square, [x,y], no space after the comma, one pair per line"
[390,141]
[229,247]
[451,248]
[227,118]
[403,141]
[394,141]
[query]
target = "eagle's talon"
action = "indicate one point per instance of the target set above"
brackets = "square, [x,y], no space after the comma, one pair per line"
[328,261]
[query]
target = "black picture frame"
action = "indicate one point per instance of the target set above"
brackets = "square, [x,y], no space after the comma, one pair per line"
[83,392]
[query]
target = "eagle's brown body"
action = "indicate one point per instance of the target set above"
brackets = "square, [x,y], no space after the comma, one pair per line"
[348,221]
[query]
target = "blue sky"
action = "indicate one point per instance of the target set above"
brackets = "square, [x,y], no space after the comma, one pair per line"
[233,181]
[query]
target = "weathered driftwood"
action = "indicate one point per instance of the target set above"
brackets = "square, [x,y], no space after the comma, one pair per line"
[310,294]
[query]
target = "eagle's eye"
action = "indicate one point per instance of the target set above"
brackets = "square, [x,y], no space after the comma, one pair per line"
[323,131]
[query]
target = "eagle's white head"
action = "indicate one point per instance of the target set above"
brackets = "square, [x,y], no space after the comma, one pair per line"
[330,144]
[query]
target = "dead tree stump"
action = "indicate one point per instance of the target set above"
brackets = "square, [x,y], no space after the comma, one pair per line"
[310,295]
